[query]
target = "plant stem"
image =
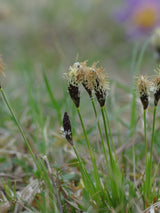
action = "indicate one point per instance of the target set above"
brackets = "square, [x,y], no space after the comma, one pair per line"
[85,133]
[110,132]
[107,137]
[100,132]
[145,135]
[148,182]
[96,174]
[153,130]
[87,180]
[20,128]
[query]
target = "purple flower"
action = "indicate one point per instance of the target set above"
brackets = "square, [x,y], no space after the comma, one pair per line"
[140,17]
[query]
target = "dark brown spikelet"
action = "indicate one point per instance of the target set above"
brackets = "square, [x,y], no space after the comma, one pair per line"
[67,128]
[89,91]
[157,96]
[98,81]
[143,86]
[74,94]
[100,93]
[156,88]
[144,100]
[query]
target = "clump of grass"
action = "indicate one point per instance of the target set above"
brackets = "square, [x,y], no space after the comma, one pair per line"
[106,189]
[144,86]
[94,80]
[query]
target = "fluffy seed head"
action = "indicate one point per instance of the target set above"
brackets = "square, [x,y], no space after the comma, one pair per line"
[99,83]
[156,87]
[92,78]
[143,86]
[73,83]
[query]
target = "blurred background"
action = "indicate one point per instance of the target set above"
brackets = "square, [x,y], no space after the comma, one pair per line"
[57,33]
[51,35]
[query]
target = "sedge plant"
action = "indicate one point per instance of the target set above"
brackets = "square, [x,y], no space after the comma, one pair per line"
[73,88]
[144,86]
[93,79]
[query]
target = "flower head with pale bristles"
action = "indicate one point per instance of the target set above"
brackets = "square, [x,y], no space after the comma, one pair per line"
[156,87]
[143,86]
[97,81]
[92,78]
[73,84]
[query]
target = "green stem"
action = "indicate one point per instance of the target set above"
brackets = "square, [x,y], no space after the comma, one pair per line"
[152,141]
[145,140]
[100,132]
[85,134]
[96,174]
[110,132]
[148,182]
[81,167]
[19,127]
[145,136]
[107,137]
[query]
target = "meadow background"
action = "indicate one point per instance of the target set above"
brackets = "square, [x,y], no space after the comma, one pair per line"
[48,36]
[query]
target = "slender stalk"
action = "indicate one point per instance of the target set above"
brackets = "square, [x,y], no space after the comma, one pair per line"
[96,174]
[145,140]
[85,134]
[107,137]
[20,128]
[110,132]
[153,130]
[134,164]
[152,141]
[145,135]
[148,182]
[100,132]
[83,170]
[89,185]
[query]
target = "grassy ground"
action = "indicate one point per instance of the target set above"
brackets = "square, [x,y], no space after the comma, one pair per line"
[39,41]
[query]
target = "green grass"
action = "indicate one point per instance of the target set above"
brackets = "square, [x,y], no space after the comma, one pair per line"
[103,185]
[113,165]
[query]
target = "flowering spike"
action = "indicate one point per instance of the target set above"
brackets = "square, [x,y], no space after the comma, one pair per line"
[92,78]
[75,94]
[89,91]
[73,84]
[101,95]
[143,86]
[100,84]
[156,87]
[67,128]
